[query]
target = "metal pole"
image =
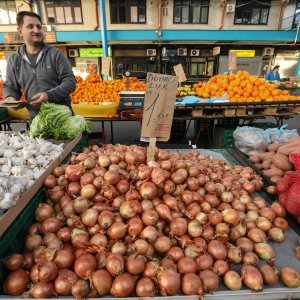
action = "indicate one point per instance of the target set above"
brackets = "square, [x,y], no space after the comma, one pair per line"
[102,14]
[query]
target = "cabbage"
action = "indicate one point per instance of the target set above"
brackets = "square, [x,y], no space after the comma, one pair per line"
[56,121]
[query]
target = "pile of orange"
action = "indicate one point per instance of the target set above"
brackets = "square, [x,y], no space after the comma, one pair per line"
[95,90]
[242,87]
[22,99]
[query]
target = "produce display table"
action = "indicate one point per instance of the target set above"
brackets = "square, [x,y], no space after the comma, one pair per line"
[13,240]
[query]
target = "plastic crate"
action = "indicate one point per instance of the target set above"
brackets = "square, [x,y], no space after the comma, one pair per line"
[3,114]
[178,129]
[13,240]
[223,136]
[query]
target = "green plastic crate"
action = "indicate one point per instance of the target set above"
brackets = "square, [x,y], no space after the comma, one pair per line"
[13,239]
[3,114]
[223,136]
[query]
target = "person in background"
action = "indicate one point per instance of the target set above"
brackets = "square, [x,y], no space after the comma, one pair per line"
[42,71]
[273,74]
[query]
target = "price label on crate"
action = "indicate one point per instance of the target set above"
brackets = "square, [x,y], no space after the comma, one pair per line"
[159,106]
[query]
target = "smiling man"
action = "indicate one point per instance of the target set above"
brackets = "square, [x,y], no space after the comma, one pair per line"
[42,71]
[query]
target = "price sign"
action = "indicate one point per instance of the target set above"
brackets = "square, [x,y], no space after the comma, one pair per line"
[159,104]
[232,61]
[105,62]
[178,69]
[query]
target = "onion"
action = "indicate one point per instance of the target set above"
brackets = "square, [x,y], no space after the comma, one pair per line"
[119,248]
[276,235]
[148,190]
[256,235]
[230,216]
[281,223]
[217,249]
[102,281]
[162,244]
[74,172]
[178,227]
[290,277]
[249,187]
[81,204]
[263,224]
[267,213]
[269,274]
[64,282]
[252,215]
[234,255]
[163,212]
[42,290]
[16,283]
[205,261]
[214,216]
[264,251]
[14,262]
[33,242]
[250,258]
[222,228]
[85,265]
[272,190]
[112,177]
[129,209]
[90,217]
[81,289]
[145,288]
[135,226]
[103,161]
[194,229]
[123,285]
[227,197]
[34,228]
[135,264]
[43,212]
[187,265]
[50,182]
[150,217]
[252,278]
[47,271]
[89,163]
[86,178]
[169,187]
[123,186]
[56,193]
[210,281]
[58,171]
[150,234]
[88,191]
[175,253]
[233,280]
[73,189]
[208,232]
[221,267]
[234,234]
[245,244]
[98,240]
[106,219]
[212,199]
[115,264]
[141,246]
[28,261]
[278,209]
[169,282]
[117,230]
[191,284]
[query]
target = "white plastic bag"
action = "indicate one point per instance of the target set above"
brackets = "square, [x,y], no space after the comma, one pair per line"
[281,135]
[251,140]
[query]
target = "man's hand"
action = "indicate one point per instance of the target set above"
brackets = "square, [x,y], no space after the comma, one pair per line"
[39,98]
[14,100]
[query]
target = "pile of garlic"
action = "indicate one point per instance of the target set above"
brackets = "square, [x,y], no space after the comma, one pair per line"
[22,160]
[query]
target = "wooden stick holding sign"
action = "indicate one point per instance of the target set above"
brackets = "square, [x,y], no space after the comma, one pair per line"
[178,69]
[158,111]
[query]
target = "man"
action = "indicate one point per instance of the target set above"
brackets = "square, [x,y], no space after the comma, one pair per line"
[42,71]
[273,74]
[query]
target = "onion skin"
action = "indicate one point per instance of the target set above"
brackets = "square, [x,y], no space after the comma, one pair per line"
[221,267]
[102,281]
[187,265]
[233,280]
[14,262]
[264,251]
[64,282]
[217,249]
[290,277]
[252,278]
[269,274]
[85,265]
[123,285]
[16,283]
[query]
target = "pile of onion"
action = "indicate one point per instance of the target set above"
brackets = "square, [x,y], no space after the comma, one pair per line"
[115,224]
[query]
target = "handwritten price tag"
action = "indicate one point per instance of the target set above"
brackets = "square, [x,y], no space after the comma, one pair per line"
[159,106]
[105,61]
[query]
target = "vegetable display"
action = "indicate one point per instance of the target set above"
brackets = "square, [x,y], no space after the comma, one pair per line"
[56,121]
[115,224]
[22,160]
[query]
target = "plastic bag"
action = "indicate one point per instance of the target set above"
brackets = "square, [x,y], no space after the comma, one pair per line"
[251,140]
[281,135]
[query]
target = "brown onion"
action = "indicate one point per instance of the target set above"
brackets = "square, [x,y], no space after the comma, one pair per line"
[278,209]
[16,283]
[281,223]
[115,264]
[14,262]
[85,265]
[210,281]
[245,244]
[102,281]
[169,282]
[276,235]
[264,251]
[217,249]
[233,280]
[117,230]
[269,274]
[135,226]
[81,288]
[256,235]
[178,226]
[221,267]
[42,290]
[162,244]
[205,261]
[187,265]
[290,277]
[123,285]
[191,284]
[47,271]
[145,288]
[135,264]
[64,282]
[43,212]
[250,258]
[263,224]
[252,278]
[175,253]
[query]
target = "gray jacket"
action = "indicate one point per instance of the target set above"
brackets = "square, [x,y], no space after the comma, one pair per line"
[53,75]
